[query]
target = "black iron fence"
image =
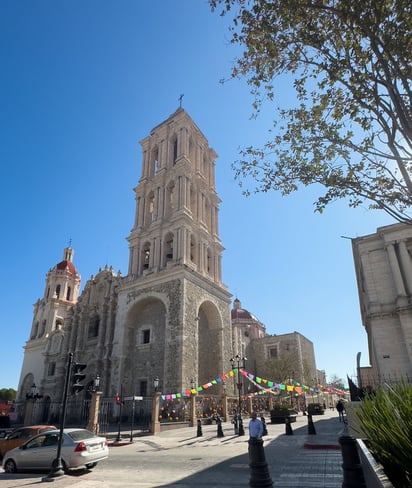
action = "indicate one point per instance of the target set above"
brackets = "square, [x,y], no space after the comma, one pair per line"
[78,411]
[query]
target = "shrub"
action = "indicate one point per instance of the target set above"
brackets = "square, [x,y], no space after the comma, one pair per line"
[386,424]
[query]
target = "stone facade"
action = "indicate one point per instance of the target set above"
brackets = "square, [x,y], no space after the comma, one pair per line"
[170,316]
[384,276]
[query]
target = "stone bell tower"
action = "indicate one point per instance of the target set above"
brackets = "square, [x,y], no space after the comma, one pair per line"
[173,317]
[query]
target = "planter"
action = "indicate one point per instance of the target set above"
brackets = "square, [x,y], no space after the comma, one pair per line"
[315,409]
[373,472]
[280,419]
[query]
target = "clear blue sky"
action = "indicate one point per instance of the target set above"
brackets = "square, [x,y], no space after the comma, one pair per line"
[81,83]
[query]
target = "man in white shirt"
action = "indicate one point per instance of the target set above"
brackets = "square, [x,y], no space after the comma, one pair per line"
[255,427]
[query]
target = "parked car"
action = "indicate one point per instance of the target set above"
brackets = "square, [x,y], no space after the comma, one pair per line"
[80,448]
[19,436]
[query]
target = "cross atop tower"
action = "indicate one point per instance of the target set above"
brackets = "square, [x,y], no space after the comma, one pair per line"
[180,100]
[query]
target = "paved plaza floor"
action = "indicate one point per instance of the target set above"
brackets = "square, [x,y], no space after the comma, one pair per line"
[300,460]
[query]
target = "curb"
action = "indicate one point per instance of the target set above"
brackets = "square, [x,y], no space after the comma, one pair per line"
[119,444]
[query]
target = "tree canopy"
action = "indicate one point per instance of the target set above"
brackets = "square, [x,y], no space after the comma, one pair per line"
[349,128]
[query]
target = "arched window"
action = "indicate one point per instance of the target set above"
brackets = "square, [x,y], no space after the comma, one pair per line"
[174,150]
[168,247]
[43,328]
[155,162]
[146,256]
[34,331]
[68,293]
[58,324]
[58,287]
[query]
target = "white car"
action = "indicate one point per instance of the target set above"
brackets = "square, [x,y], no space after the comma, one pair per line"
[80,448]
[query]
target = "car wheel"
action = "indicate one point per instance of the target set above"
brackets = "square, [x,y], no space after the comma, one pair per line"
[10,466]
[91,465]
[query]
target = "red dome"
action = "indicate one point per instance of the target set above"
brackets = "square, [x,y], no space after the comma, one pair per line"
[66,265]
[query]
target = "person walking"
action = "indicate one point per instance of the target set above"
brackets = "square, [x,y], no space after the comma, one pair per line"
[340,408]
[255,427]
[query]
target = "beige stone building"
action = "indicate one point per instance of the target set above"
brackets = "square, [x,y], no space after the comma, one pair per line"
[170,316]
[251,341]
[384,276]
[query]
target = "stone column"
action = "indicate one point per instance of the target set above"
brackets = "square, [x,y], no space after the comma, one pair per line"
[397,276]
[155,424]
[93,424]
[224,407]
[406,264]
[29,411]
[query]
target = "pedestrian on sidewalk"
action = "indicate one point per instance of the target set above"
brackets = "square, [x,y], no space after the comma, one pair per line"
[255,427]
[340,407]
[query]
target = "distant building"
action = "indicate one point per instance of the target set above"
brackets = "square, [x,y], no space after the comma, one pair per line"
[383,267]
[250,340]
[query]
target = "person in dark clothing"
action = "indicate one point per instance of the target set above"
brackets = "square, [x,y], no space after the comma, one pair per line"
[340,407]
[265,430]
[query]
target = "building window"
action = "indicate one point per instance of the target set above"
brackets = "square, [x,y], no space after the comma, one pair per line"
[35,331]
[273,352]
[68,293]
[146,336]
[58,291]
[174,150]
[51,369]
[143,388]
[43,328]
[93,327]
[58,324]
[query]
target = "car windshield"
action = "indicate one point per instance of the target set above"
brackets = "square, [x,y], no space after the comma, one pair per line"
[80,435]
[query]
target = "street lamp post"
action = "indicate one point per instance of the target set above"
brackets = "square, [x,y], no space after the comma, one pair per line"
[237,359]
[119,423]
[192,403]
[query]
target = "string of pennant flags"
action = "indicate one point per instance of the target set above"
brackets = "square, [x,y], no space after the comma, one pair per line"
[263,385]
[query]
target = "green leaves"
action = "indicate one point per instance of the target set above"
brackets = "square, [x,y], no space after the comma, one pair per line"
[350,128]
[386,418]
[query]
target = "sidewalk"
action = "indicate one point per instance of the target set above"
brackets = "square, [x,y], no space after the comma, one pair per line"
[305,461]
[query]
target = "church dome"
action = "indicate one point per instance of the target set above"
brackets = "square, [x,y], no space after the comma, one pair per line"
[66,265]
[239,313]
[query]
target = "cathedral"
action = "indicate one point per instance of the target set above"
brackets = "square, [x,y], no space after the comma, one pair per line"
[170,317]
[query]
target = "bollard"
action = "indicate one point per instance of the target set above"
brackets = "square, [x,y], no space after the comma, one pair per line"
[199,428]
[235,424]
[219,427]
[259,472]
[311,426]
[241,429]
[288,427]
[352,468]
